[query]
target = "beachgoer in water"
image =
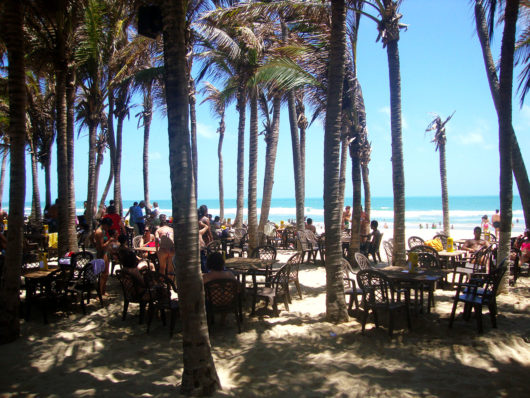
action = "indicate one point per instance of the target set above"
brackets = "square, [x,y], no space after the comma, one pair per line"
[496,221]
[472,245]
[216,265]
[166,246]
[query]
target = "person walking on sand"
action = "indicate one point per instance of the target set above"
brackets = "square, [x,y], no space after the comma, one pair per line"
[496,221]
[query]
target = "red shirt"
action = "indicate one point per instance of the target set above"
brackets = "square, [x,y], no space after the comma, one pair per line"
[115,222]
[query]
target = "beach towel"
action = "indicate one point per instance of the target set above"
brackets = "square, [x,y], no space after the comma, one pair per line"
[99,265]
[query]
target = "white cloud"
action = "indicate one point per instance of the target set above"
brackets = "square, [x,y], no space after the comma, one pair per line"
[206,131]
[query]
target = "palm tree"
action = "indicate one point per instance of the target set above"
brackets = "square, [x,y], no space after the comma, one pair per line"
[12,22]
[518,165]
[440,139]
[199,376]
[218,104]
[335,304]
[389,27]
[505,125]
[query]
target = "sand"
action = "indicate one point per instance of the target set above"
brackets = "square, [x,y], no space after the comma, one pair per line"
[297,354]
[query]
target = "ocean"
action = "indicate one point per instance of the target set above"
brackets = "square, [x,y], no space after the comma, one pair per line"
[465,211]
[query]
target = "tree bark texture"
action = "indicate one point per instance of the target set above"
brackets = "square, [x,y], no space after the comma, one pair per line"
[241,107]
[398,174]
[445,193]
[199,376]
[505,124]
[253,174]
[147,116]
[518,165]
[193,125]
[3,176]
[335,304]
[295,143]
[220,157]
[70,132]
[270,163]
[10,276]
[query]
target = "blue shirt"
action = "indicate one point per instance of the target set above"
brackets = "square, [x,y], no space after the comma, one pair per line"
[137,215]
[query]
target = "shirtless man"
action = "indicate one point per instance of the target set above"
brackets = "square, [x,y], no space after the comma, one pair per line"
[346,217]
[472,245]
[496,221]
[166,247]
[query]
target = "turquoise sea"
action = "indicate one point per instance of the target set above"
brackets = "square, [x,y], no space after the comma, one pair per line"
[465,211]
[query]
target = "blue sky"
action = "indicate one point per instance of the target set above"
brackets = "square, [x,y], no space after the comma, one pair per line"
[441,71]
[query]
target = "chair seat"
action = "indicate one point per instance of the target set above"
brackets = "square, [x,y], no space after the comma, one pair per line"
[265,292]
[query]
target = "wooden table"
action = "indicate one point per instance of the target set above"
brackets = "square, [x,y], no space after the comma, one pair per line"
[41,279]
[416,279]
[447,257]
[243,266]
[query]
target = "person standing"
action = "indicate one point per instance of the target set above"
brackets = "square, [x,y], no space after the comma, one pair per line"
[137,218]
[346,216]
[496,221]
[166,246]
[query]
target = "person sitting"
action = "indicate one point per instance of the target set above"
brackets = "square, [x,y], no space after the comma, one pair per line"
[148,239]
[523,243]
[475,244]
[371,239]
[216,264]
[309,225]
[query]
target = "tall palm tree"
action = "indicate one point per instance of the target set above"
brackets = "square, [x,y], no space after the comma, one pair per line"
[218,104]
[12,22]
[335,304]
[440,139]
[199,376]
[518,165]
[505,125]
[389,26]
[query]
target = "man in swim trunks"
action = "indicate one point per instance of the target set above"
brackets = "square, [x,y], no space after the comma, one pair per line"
[472,245]
[496,220]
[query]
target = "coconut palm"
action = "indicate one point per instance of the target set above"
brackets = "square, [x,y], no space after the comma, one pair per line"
[218,104]
[335,304]
[440,139]
[12,32]
[518,165]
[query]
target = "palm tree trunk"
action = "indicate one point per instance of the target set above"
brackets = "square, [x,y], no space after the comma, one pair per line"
[253,174]
[147,116]
[343,161]
[367,194]
[91,186]
[518,165]
[241,107]
[302,125]
[298,184]
[220,156]
[2,176]
[35,206]
[193,125]
[270,163]
[398,174]
[199,376]
[70,132]
[47,178]
[10,277]
[335,304]
[62,142]
[505,124]
[355,241]
[117,166]
[99,162]
[107,187]
[445,194]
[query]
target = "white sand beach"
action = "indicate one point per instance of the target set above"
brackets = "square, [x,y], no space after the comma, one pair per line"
[297,354]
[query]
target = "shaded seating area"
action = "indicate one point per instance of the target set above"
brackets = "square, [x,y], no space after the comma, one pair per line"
[162,297]
[134,290]
[223,296]
[373,248]
[477,293]
[275,291]
[380,296]
[415,241]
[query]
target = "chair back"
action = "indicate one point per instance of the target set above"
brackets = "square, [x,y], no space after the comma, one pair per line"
[389,251]
[294,266]
[428,261]
[136,241]
[87,275]
[160,288]
[376,288]
[78,261]
[302,244]
[492,282]
[424,249]
[311,238]
[362,261]
[264,253]
[214,246]
[289,237]
[133,287]
[221,294]
[347,274]
[415,241]
[280,281]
